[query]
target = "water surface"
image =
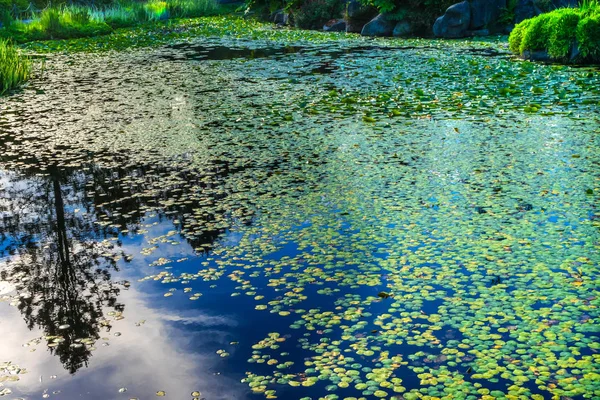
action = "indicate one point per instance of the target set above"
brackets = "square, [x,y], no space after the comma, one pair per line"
[246,219]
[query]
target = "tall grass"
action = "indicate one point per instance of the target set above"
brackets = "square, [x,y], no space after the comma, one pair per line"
[589,6]
[78,21]
[14,67]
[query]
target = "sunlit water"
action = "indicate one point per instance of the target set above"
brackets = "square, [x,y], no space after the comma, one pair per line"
[250,219]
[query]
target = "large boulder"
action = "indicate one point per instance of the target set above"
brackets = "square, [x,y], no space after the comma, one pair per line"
[485,13]
[335,25]
[353,8]
[525,9]
[455,22]
[357,15]
[379,26]
[564,3]
[280,17]
[403,29]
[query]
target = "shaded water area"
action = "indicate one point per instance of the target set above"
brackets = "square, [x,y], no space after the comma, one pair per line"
[238,220]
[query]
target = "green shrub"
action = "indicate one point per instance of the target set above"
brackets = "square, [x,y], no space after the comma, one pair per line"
[557,31]
[313,14]
[14,67]
[537,34]
[516,36]
[562,34]
[588,37]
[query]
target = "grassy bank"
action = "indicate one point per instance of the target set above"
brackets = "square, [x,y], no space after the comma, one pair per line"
[67,22]
[14,67]
[567,34]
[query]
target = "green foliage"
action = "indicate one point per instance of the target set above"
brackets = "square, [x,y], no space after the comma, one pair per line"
[558,31]
[588,37]
[118,17]
[516,36]
[562,34]
[64,23]
[537,34]
[14,67]
[79,21]
[191,8]
[507,15]
[314,13]
[589,7]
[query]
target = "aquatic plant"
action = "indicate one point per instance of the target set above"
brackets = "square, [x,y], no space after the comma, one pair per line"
[14,67]
[423,232]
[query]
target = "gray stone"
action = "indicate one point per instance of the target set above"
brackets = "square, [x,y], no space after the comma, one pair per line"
[479,32]
[402,29]
[280,17]
[353,8]
[485,13]
[540,55]
[574,51]
[455,22]
[335,25]
[357,15]
[525,9]
[564,3]
[379,26]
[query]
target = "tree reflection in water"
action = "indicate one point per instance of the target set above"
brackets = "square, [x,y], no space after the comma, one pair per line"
[59,268]
[59,237]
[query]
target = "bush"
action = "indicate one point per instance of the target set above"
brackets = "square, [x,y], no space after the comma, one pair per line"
[313,14]
[562,35]
[556,32]
[588,37]
[14,67]
[516,36]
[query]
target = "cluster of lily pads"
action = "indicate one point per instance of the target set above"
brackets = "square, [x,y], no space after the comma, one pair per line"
[422,216]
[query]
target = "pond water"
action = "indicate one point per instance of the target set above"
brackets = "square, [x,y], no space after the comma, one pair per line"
[230,219]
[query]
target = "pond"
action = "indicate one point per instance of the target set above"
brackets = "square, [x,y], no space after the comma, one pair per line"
[225,218]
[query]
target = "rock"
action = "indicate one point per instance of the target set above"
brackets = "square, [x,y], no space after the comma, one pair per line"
[479,32]
[353,8]
[455,22]
[525,9]
[574,51]
[335,25]
[357,15]
[280,17]
[402,29]
[564,3]
[485,13]
[541,55]
[379,26]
